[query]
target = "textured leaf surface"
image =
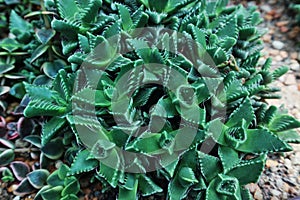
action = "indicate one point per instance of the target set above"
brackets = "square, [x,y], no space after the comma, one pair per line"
[82,163]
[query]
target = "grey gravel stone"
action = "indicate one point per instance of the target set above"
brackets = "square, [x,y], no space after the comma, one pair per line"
[278,44]
[275,192]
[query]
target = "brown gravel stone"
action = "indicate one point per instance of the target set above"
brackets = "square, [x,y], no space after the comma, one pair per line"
[252,187]
[294,55]
[258,195]
[271,163]
[286,187]
[282,23]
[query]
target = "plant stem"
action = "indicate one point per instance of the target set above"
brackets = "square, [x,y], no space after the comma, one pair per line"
[22,150]
[47,23]
[48,26]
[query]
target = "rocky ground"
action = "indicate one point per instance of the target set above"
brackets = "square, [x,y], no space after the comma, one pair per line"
[281,178]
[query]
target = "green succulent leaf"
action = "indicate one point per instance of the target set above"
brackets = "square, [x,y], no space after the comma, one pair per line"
[111,175]
[37,178]
[283,123]
[147,186]
[244,111]
[270,142]
[53,149]
[19,27]
[229,157]
[52,193]
[6,157]
[82,163]
[210,166]
[54,179]
[39,52]
[9,45]
[50,128]
[72,188]
[255,165]
[291,136]
[67,9]
[45,35]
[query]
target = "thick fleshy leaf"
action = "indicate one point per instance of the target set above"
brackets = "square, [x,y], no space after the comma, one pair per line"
[147,186]
[19,27]
[72,188]
[6,157]
[255,166]
[82,163]
[186,177]
[70,197]
[244,111]
[20,169]
[54,179]
[7,175]
[39,52]
[229,157]
[269,143]
[4,89]
[67,9]
[24,188]
[45,35]
[290,136]
[283,122]
[52,193]
[50,128]
[125,17]
[63,171]
[43,107]
[17,90]
[9,45]
[53,149]
[176,190]
[37,178]
[109,174]
[84,43]
[126,193]
[25,127]
[34,91]
[210,166]
[7,143]
[38,195]
[51,68]
[34,140]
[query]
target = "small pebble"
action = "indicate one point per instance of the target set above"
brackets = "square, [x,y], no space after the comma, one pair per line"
[284,54]
[289,79]
[258,195]
[284,29]
[275,192]
[288,163]
[293,191]
[282,23]
[266,8]
[252,187]
[294,55]
[274,52]
[274,198]
[279,183]
[278,44]
[271,163]
[58,164]
[286,187]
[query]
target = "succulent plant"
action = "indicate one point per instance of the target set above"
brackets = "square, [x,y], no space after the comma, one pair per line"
[229,35]
[177,109]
